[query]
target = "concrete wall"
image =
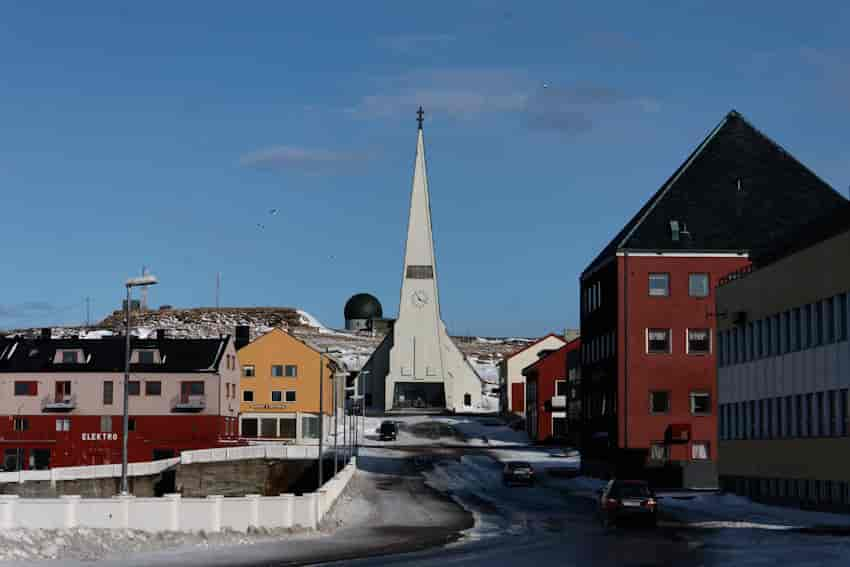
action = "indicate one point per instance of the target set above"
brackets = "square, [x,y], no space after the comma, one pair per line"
[173,512]
[234,478]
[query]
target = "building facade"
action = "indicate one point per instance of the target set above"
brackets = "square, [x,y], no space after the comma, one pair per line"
[784,372]
[61,400]
[512,393]
[547,389]
[648,322]
[280,388]
[417,367]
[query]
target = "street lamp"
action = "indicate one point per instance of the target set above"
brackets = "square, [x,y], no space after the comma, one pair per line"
[145,280]
[365,374]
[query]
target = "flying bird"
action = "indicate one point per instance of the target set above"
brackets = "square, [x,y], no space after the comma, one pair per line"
[273,212]
[261,226]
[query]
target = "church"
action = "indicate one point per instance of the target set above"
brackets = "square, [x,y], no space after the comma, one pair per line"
[417,367]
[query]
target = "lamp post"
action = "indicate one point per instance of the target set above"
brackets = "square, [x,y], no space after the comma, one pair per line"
[365,374]
[336,425]
[145,280]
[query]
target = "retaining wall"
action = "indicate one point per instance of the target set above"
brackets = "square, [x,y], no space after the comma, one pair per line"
[175,513]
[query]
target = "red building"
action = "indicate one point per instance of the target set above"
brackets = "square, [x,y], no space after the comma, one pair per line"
[647,301]
[548,394]
[61,400]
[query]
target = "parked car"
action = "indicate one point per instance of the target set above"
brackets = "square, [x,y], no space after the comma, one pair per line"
[518,472]
[623,500]
[388,431]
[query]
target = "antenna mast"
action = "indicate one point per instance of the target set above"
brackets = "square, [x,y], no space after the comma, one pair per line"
[144,304]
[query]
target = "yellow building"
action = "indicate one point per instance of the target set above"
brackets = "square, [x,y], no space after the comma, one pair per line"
[280,389]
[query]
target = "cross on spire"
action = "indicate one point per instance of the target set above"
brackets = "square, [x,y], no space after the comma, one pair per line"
[420,117]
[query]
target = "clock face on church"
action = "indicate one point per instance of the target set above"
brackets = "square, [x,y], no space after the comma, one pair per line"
[419,298]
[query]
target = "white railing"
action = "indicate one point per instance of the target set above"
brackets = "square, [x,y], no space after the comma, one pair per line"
[173,513]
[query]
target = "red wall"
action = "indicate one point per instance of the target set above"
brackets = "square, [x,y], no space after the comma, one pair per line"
[549,370]
[518,398]
[68,448]
[677,372]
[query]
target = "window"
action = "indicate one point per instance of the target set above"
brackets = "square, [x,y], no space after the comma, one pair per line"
[107,392]
[786,429]
[63,424]
[842,317]
[288,428]
[420,272]
[700,403]
[831,414]
[699,341]
[153,388]
[786,335]
[809,421]
[309,427]
[106,424]
[818,323]
[133,388]
[289,396]
[69,357]
[798,416]
[248,371]
[268,427]
[733,346]
[830,320]
[291,371]
[797,329]
[658,341]
[752,420]
[131,424]
[699,451]
[277,370]
[659,402]
[560,387]
[249,427]
[842,413]
[768,336]
[807,321]
[698,285]
[659,285]
[277,395]
[27,388]
[194,388]
[22,424]
[467,400]
[820,415]
[146,357]
[247,396]
[659,452]
[750,351]
[758,338]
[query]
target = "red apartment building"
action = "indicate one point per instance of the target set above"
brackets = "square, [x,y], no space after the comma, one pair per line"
[647,300]
[61,400]
[548,395]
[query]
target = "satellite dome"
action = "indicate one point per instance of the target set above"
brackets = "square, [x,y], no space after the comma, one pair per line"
[363,306]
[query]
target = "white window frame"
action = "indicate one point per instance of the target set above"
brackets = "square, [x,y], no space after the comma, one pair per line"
[669,402]
[663,449]
[560,381]
[294,396]
[249,371]
[707,447]
[649,284]
[280,395]
[688,342]
[707,284]
[669,340]
[691,404]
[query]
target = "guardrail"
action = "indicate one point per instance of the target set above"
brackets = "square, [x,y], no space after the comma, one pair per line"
[173,513]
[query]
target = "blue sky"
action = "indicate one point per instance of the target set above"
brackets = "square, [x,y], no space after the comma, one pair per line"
[163,133]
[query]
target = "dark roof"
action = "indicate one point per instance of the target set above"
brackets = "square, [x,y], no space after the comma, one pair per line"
[363,306]
[107,354]
[777,194]
[833,223]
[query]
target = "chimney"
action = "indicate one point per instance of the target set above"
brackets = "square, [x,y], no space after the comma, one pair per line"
[243,336]
[160,334]
[46,332]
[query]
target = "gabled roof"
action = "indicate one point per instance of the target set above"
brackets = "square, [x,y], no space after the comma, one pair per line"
[107,354]
[282,333]
[566,349]
[531,345]
[737,190]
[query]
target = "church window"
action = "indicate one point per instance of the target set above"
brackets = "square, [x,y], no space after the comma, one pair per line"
[467,400]
[420,272]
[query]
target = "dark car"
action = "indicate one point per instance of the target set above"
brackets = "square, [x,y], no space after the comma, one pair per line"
[388,431]
[518,472]
[624,500]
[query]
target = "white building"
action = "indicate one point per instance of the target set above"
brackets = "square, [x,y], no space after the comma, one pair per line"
[418,367]
[511,380]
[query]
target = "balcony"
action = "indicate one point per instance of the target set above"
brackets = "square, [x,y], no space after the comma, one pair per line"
[189,403]
[59,403]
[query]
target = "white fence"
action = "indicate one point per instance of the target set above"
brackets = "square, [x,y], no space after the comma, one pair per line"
[221,454]
[173,513]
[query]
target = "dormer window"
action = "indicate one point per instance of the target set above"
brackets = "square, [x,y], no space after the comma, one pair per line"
[147,356]
[68,356]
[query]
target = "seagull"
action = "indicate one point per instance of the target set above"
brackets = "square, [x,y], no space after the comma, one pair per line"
[261,226]
[545,85]
[273,212]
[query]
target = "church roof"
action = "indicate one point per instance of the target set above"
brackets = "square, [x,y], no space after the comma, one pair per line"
[737,190]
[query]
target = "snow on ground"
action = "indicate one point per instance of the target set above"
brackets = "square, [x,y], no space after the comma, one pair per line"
[20,546]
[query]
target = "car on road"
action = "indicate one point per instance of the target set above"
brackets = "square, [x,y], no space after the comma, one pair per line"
[388,431]
[624,500]
[517,472]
